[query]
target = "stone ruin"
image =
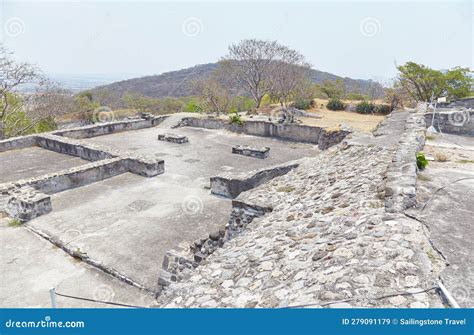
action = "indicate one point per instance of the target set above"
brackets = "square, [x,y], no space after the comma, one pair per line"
[251,151]
[173,138]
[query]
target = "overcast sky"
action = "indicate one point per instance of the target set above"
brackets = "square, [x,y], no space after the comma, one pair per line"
[348,38]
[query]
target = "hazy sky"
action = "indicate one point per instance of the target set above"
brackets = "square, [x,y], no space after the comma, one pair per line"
[348,38]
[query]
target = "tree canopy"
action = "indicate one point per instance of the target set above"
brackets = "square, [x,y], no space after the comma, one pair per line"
[423,83]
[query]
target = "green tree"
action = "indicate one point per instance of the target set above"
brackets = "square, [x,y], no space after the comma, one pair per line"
[423,83]
[334,89]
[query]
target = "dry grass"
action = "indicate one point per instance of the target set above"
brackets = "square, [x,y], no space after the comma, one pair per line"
[334,119]
[440,157]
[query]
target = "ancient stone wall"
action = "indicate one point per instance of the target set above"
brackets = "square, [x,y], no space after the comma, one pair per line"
[230,185]
[400,187]
[110,127]
[292,132]
[18,143]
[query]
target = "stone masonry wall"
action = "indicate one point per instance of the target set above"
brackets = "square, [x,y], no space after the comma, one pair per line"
[325,239]
[293,132]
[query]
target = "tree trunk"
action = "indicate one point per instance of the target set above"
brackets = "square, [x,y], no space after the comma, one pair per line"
[2,131]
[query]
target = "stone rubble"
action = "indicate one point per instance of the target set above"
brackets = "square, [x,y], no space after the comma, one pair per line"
[325,240]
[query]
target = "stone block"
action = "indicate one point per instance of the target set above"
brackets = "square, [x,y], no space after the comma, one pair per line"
[26,204]
[246,150]
[179,139]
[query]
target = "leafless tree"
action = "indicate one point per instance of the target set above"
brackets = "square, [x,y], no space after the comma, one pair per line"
[290,77]
[213,92]
[252,64]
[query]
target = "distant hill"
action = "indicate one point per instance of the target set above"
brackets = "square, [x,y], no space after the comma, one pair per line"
[178,83]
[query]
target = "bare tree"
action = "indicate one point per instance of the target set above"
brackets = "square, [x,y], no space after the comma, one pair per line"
[20,112]
[252,64]
[13,75]
[290,77]
[213,92]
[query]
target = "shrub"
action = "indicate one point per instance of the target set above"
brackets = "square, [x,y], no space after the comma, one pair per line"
[365,107]
[302,103]
[382,109]
[335,104]
[421,161]
[193,107]
[235,118]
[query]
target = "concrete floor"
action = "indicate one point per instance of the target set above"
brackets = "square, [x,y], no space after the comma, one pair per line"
[129,222]
[33,162]
[30,266]
[448,212]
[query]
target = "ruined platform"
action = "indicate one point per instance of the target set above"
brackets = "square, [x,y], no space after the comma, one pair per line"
[255,152]
[173,138]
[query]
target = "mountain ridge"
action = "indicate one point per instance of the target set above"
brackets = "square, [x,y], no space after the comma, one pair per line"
[178,83]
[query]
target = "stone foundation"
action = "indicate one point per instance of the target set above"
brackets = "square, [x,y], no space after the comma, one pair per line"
[231,185]
[246,150]
[293,132]
[187,257]
[400,187]
[26,204]
[179,139]
[111,127]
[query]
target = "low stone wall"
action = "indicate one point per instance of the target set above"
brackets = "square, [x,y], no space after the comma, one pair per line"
[110,127]
[400,187]
[18,143]
[26,203]
[73,147]
[452,122]
[292,132]
[185,257]
[231,185]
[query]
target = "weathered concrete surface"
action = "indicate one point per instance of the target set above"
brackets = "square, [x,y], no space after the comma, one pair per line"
[207,153]
[30,266]
[446,193]
[452,121]
[128,222]
[33,162]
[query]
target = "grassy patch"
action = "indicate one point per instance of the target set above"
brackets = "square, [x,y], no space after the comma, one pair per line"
[14,223]
[286,189]
[466,161]
[430,137]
